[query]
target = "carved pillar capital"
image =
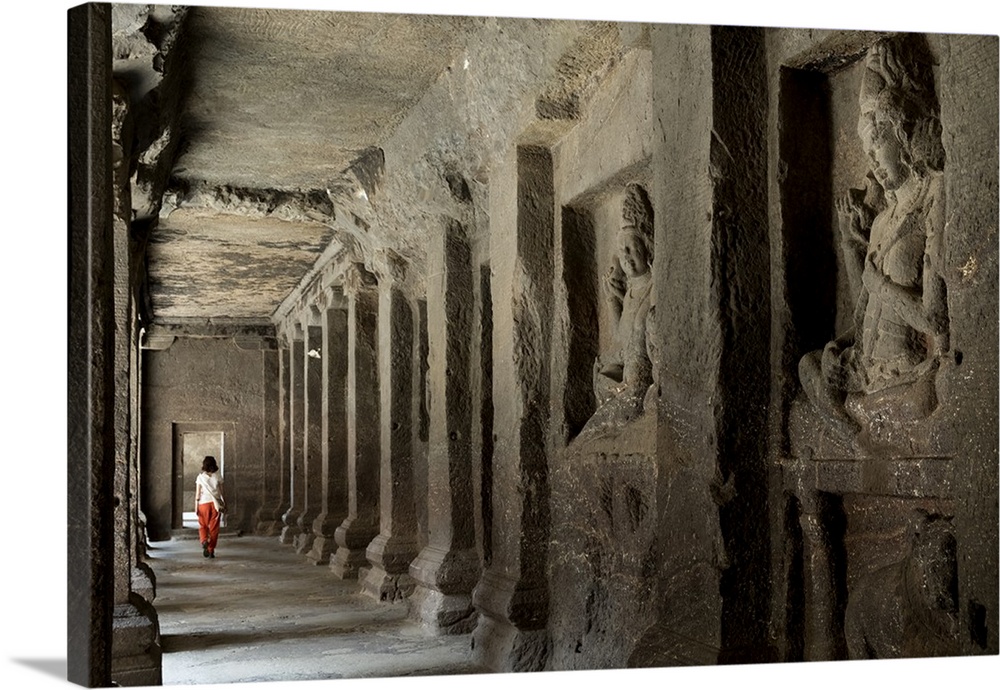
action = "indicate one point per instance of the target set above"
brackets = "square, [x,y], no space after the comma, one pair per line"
[389,267]
[331,297]
[357,278]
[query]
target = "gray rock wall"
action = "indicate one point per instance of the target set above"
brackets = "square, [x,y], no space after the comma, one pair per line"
[968,93]
[899,498]
[215,383]
[723,524]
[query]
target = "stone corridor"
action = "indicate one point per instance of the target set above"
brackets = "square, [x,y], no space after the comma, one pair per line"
[527,345]
[255,613]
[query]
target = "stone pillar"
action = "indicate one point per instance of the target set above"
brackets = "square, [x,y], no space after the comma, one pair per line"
[333,428]
[135,650]
[90,537]
[392,550]
[312,427]
[272,482]
[713,328]
[294,427]
[969,119]
[143,577]
[512,597]
[283,501]
[363,456]
[447,569]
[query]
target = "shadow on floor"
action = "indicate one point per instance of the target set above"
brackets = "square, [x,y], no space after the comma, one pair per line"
[50,667]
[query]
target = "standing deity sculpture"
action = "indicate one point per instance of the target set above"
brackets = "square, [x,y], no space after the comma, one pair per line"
[623,375]
[892,235]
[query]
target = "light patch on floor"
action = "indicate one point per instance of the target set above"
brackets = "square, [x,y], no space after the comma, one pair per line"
[261,612]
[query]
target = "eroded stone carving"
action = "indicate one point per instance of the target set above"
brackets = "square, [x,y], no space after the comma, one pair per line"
[909,608]
[623,375]
[881,373]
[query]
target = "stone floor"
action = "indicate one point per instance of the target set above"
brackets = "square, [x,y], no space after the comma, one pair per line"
[261,612]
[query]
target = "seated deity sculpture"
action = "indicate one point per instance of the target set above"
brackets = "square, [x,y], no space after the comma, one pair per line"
[623,375]
[892,235]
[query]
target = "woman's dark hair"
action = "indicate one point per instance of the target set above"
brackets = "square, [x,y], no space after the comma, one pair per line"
[209,465]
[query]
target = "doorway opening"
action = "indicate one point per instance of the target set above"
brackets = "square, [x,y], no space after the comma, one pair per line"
[195,445]
[192,441]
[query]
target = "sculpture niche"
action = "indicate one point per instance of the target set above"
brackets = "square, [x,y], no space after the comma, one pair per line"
[623,377]
[873,381]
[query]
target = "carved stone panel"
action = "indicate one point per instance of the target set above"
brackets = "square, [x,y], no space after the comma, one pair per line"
[873,388]
[622,371]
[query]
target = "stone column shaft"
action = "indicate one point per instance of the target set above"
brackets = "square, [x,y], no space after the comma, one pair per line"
[274,475]
[391,552]
[333,433]
[712,295]
[284,443]
[135,650]
[447,569]
[312,428]
[296,475]
[512,597]
[143,577]
[90,374]
[361,524]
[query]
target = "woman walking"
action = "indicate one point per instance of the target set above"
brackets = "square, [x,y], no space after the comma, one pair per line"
[209,504]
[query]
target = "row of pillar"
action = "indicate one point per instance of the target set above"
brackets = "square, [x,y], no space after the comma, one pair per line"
[351,392]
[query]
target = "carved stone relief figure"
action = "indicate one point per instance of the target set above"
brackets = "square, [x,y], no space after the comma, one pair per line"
[910,608]
[892,234]
[623,375]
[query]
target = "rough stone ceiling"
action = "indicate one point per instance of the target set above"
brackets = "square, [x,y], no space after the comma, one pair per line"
[277,102]
[288,99]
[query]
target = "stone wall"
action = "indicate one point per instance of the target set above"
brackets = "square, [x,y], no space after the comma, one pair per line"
[882,496]
[716,515]
[216,385]
[603,492]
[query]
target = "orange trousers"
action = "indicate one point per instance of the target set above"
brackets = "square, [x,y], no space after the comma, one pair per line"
[208,525]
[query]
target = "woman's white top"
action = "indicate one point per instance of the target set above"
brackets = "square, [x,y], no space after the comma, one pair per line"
[209,484]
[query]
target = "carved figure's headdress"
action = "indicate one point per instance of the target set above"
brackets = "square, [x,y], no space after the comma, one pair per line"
[637,212]
[897,91]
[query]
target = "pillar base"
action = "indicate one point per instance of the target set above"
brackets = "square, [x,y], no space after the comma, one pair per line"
[388,579]
[352,538]
[288,534]
[269,522]
[501,647]
[443,614]
[322,548]
[511,633]
[384,586]
[303,542]
[442,599]
[268,528]
[144,581]
[324,528]
[136,657]
[448,571]
[291,527]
